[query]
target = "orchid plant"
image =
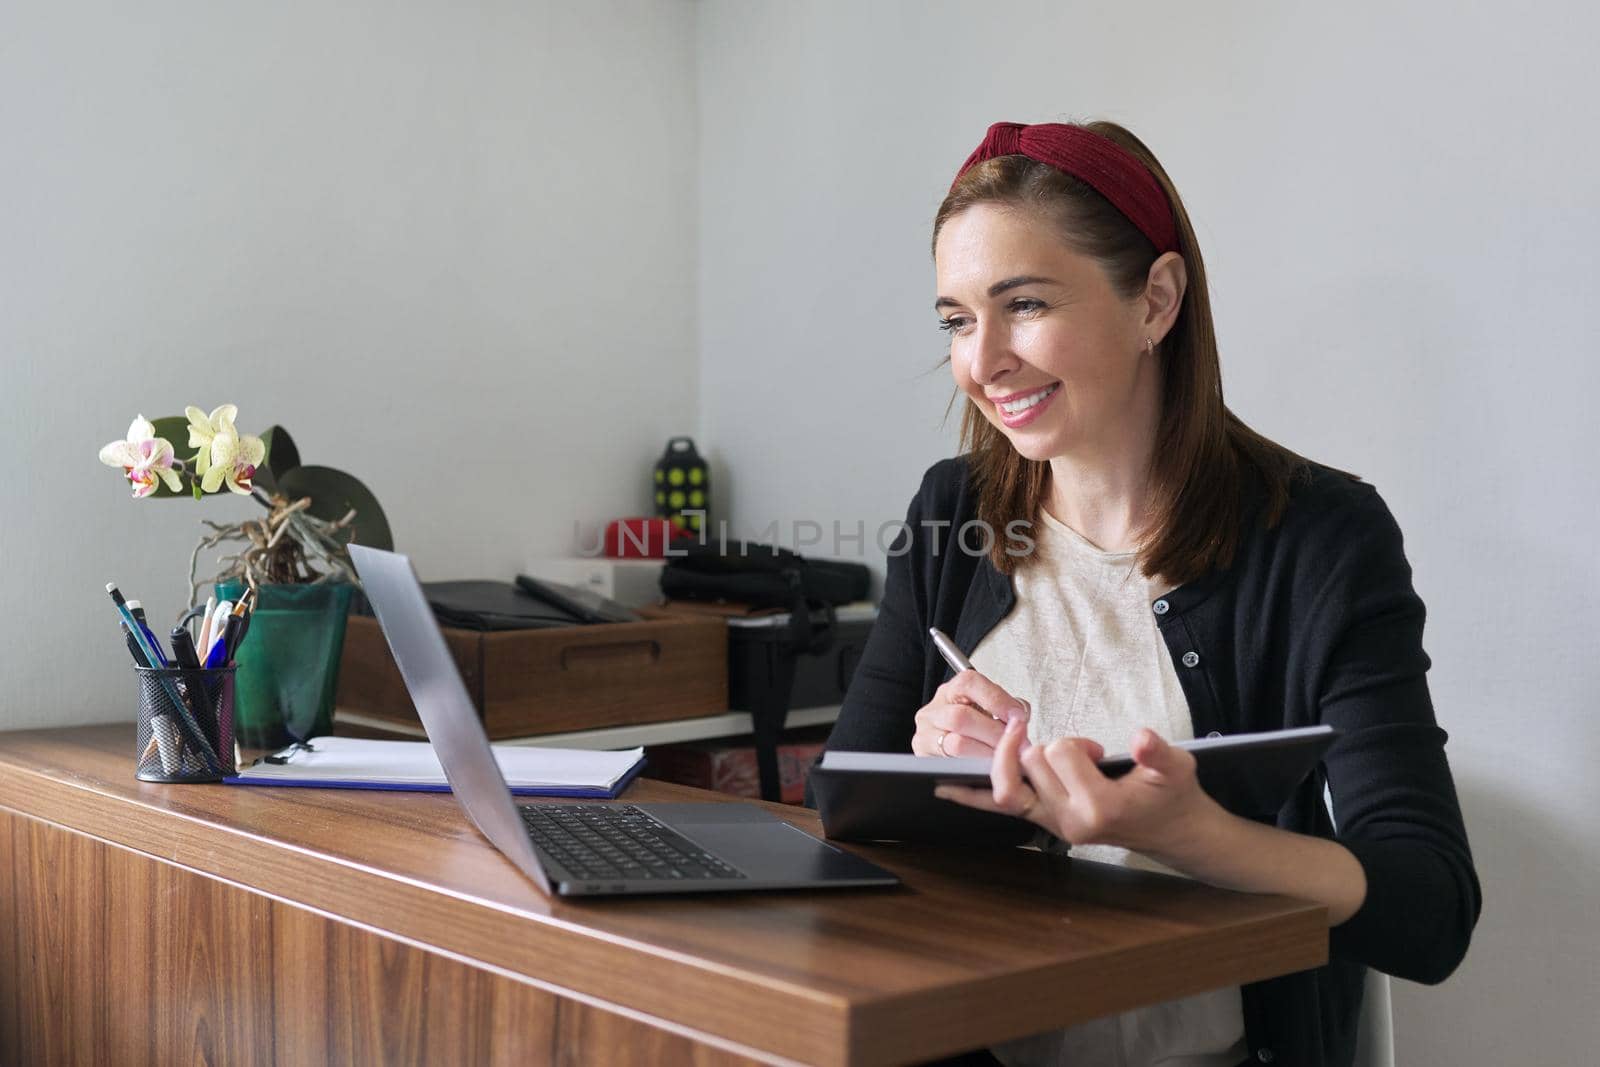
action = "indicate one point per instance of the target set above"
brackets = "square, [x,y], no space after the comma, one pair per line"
[312,512]
[225,455]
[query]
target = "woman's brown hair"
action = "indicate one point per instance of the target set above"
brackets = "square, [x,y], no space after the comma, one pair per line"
[1203,453]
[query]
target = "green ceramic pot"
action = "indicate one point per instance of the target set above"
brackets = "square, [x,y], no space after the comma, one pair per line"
[289,662]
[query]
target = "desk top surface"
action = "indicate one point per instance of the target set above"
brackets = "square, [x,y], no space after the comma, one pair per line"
[973,948]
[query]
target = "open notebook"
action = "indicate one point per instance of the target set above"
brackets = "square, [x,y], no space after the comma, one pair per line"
[357,763]
[888,796]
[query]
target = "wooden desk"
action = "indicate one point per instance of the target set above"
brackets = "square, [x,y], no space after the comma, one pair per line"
[149,924]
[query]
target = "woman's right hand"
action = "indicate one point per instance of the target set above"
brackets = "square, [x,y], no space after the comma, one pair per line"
[966,717]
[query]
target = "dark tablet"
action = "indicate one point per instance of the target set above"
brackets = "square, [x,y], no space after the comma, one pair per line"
[583,604]
[888,796]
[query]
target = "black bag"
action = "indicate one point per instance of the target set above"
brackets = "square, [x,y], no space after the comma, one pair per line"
[766,576]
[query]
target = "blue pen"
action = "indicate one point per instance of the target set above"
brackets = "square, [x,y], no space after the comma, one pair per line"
[153,654]
[218,657]
[223,643]
[137,611]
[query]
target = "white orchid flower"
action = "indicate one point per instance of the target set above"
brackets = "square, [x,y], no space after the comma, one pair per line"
[232,458]
[204,429]
[143,457]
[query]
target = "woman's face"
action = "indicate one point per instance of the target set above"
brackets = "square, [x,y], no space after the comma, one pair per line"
[1045,348]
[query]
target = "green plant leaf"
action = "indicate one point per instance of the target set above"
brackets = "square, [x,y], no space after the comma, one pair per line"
[282,457]
[333,493]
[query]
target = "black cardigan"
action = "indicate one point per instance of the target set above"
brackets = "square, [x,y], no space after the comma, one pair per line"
[1316,621]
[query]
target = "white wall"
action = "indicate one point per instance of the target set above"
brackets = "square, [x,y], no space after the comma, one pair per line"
[1397,206]
[451,247]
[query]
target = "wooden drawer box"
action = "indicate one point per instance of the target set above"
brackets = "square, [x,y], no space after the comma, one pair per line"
[527,682]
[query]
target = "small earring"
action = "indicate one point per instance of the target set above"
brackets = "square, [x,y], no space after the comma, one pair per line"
[1149,347]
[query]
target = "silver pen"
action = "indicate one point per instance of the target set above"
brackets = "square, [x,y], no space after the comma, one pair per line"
[947,648]
[952,655]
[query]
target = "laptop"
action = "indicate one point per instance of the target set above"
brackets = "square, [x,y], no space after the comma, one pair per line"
[594,848]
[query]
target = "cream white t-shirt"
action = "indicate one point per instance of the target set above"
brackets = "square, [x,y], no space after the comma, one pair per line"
[1082,647]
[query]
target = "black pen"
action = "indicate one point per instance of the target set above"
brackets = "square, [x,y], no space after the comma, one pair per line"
[199,692]
[244,628]
[183,648]
[232,633]
[139,659]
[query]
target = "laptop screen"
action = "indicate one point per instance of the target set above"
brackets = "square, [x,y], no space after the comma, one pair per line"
[442,703]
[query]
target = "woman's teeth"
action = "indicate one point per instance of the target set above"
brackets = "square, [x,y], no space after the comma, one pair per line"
[1013,407]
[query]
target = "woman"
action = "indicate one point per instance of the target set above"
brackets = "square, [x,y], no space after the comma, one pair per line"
[1176,574]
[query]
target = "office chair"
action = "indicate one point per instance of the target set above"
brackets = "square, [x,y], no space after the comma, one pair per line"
[1375,1028]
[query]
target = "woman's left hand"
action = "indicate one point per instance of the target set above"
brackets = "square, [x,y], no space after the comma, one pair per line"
[1154,809]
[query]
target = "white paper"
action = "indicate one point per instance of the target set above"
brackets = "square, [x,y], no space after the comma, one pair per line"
[355,759]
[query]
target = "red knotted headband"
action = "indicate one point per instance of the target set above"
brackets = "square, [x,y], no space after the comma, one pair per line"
[1107,167]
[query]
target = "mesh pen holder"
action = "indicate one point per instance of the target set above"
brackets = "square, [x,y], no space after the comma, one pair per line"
[185,724]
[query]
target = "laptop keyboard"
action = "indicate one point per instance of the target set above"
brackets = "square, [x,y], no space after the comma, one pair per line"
[618,841]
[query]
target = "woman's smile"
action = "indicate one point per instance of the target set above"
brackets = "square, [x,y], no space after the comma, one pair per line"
[1019,409]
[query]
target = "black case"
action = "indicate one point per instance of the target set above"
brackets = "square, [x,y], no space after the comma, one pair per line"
[820,678]
[769,672]
[761,576]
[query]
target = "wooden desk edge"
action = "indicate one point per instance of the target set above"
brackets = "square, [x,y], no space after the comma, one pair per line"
[926,1027]
[741,1011]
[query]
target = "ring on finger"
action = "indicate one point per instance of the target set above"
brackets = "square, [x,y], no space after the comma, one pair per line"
[942,735]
